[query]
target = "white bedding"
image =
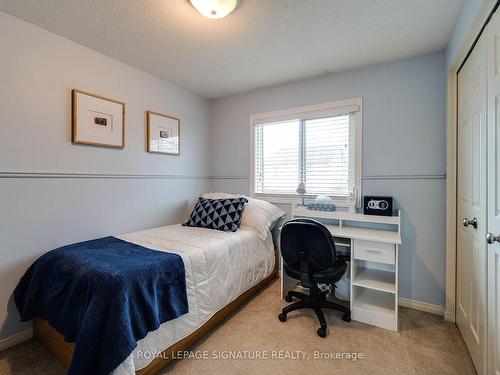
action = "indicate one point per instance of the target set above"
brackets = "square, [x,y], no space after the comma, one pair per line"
[219,267]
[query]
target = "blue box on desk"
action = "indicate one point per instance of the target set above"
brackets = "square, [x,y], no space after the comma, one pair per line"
[321,207]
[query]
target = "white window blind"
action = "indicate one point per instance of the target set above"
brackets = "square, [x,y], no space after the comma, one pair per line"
[318,151]
[277,157]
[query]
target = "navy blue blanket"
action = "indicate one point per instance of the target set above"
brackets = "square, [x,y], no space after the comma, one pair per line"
[104,295]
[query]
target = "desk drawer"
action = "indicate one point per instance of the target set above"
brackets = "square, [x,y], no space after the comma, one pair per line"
[375,251]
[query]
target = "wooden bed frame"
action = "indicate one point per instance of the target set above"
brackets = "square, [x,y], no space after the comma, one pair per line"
[54,342]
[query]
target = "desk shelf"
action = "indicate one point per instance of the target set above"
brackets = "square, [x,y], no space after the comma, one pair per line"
[375,302]
[370,278]
[367,234]
[375,308]
[345,216]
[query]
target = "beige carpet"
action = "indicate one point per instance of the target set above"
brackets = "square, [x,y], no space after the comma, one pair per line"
[425,345]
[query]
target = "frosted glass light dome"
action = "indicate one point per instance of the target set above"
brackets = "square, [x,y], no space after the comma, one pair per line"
[215,8]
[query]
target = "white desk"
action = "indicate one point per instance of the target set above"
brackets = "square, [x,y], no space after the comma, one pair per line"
[374,263]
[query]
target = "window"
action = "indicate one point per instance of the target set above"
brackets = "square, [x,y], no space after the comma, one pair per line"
[319,145]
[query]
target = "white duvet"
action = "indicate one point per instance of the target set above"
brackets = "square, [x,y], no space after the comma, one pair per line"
[219,267]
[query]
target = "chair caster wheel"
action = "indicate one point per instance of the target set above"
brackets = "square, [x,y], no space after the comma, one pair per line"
[282,317]
[288,298]
[322,332]
[346,317]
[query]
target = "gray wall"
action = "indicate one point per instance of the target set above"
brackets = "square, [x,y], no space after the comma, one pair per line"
[39,212]
[403,137]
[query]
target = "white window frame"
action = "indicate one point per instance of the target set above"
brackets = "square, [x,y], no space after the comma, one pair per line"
[354,105]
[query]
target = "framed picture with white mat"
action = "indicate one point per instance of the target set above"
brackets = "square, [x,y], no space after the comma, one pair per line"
[96,120]
[163,134]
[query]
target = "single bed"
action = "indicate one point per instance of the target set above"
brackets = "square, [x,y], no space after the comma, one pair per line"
[223,270]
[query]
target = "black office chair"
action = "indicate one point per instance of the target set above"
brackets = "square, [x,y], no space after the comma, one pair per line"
[309,255]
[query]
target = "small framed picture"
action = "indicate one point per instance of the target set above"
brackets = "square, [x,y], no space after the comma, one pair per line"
[163,133]
[97,120]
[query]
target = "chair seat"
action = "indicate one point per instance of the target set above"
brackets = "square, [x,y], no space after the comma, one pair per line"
[330,275]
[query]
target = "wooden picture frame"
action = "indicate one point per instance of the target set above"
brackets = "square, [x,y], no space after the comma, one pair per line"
[158,124]
[108,126]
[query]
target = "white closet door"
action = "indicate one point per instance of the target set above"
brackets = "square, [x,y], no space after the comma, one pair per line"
[493,34]
[471,204]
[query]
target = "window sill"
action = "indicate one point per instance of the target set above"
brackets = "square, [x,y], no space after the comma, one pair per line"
[291,199]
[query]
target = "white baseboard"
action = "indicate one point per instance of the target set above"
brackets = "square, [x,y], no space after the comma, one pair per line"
[16,339]
[421,306]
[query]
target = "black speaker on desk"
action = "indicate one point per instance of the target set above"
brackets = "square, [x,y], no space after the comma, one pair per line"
[376,205]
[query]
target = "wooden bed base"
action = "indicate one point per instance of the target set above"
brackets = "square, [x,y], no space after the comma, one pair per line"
[54,342]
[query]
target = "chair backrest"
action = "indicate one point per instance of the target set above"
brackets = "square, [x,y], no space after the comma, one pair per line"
[307,247]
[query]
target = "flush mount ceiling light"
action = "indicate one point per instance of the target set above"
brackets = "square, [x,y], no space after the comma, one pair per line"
[215,8]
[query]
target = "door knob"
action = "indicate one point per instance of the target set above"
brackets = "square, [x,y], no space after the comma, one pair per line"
[466,222]
[490,238]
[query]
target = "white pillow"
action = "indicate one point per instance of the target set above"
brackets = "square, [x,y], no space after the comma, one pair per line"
[258,214]
[215,195]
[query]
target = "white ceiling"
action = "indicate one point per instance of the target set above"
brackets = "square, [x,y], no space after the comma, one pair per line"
[264,42]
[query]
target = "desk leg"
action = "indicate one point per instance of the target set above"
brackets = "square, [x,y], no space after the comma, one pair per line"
[287,283]
[352,264]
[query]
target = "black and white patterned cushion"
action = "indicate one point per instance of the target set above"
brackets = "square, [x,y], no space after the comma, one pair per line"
[222,214]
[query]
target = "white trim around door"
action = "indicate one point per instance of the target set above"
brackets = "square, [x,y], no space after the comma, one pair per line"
[451,164]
